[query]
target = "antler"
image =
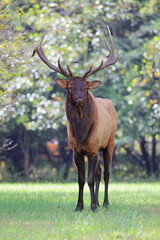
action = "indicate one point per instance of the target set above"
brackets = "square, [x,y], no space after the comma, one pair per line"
[43,57]
[111,58]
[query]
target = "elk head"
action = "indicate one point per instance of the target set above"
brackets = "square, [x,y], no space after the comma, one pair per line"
[77,87]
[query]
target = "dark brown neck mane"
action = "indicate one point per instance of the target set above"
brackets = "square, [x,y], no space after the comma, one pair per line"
[81,118]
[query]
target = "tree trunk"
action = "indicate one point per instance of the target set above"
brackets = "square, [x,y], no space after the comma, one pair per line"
[154,165]
[24,141]
[26,162]
[145,155]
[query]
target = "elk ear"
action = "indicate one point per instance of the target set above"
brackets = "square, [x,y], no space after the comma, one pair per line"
[94,84]
[62,83]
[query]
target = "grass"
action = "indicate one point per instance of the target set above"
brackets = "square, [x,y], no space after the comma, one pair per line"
[46,212]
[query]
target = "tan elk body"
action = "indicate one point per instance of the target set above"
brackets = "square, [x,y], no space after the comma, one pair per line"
[92,124]
[103,129]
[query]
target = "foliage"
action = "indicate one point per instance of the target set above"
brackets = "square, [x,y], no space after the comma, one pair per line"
[32,106]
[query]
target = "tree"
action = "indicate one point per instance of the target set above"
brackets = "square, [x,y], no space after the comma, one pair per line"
[32,105]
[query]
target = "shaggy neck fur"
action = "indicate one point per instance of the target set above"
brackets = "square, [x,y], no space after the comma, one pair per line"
[81,118]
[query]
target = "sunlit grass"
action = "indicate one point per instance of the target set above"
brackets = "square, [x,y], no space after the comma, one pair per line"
[46,212]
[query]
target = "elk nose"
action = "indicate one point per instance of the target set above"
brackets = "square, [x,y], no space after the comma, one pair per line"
[79,99]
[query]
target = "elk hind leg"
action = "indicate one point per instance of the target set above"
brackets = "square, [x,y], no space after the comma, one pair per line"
[107,158]
[97,181]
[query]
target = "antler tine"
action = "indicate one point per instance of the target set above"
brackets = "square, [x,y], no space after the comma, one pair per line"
[63,71]
[107,45]
[111,58]
[69,70]
[41,41]
[96,69]
[38,45]
[43,57]
[111,50]
[86,72]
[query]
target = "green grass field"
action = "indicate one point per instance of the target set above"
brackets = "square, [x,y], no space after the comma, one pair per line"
[46,212]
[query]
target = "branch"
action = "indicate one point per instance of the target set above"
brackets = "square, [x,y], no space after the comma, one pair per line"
[129,151]
[8,145]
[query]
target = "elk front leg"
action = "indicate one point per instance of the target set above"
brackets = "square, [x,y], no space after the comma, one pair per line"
[80,163]
[92,166]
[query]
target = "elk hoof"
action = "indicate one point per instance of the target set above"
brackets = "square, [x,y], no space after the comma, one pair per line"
[94,207]
[79,208]
[106,204]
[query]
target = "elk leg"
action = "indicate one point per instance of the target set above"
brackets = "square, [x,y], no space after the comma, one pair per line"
[92,166]
[80,163]
[107,158]
[97,180]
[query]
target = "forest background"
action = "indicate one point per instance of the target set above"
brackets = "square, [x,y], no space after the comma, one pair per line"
[33,139]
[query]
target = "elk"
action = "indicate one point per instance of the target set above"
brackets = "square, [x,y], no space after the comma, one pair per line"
[92,124]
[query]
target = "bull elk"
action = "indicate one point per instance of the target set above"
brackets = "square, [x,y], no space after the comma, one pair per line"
[92,124]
